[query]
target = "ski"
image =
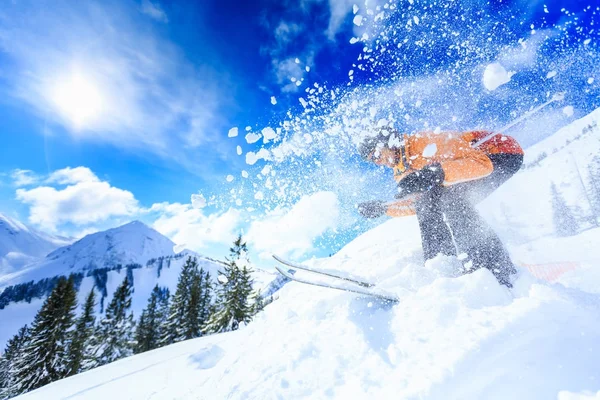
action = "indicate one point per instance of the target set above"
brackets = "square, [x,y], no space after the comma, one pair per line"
[340,285]
[321,272]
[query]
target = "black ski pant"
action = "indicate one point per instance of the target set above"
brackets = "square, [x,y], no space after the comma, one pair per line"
[450,223]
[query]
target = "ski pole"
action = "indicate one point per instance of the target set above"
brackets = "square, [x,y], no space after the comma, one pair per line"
[557,97]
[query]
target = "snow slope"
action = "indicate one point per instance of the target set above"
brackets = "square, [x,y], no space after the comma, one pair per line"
[449,338]
[521,209]
[20,244]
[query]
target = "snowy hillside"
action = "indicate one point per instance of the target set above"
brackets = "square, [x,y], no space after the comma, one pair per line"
[450,336]
[521,208]
[20,244]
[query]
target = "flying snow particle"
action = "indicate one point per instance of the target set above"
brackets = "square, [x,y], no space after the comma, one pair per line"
[418,103]
[568,111]
[357,20]
[266,170]
[354,40]
[354,9]
[223,279]
[233,132]
[268,134]
[244,174]
[239,150]
[495,76]
[590,80]
[198,201]
[307,68]
[252,158]
[416,19]
[229,178]
[587,41]
[253,137]
[550,74]
[238,202]
[430,150]
[297,61]
[273,100]
[259,195]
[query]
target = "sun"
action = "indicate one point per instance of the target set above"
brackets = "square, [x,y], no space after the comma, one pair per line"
[78,99]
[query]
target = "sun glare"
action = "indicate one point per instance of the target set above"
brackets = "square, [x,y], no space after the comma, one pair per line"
[78,99]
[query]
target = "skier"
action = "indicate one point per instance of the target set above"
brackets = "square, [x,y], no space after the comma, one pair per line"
[441,176]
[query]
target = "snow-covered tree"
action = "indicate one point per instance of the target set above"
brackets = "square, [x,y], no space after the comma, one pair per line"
[233,305]
[43,358]
[188,308]
[258,303]
[152,321]
[115,332]
[79,354]
[564,220]
[594,181]
[206,298]
[11,352]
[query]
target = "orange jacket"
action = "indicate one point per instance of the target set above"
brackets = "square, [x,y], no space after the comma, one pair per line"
[455,154]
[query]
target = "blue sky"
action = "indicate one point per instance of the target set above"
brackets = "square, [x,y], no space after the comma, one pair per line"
[123,110]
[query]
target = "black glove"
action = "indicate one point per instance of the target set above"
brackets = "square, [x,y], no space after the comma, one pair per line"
[372,209]
[421,181]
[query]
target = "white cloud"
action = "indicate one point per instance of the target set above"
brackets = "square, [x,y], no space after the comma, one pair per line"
[294,231]
[190,227]
[86,200]
[339,9]
[70,175]
[154,10]
[23,177]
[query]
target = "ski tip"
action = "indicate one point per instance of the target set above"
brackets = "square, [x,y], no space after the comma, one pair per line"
[277,258]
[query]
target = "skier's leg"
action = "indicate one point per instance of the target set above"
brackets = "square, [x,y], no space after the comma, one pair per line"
[435,235]
[474,236]
[505,166]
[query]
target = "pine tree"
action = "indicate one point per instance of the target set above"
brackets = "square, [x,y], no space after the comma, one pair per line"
[258,303]
[206,299]
[233,307]
[152,320]
[594,180]
[44,357]
[564,221]
[79,353]
[185,312]
[115,333]
[11,352]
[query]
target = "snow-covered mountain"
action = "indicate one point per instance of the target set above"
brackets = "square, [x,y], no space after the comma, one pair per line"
[20,244]
[133,243]
[102,260]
